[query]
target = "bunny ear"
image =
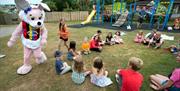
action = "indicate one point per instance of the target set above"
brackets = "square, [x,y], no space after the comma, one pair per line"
[44,6]
[22,4]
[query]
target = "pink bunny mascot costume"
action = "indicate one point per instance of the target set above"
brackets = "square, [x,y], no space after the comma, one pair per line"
[32,32]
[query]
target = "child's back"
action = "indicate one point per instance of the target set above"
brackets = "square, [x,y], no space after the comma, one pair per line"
[70,54]
[85,46]
[79,74]
[72,50]
[99,75]
[130,79]
[78,77]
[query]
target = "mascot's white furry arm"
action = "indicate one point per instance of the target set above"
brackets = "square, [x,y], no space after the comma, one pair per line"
[32,32]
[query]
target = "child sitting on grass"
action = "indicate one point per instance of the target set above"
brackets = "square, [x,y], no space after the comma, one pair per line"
[176,25]
[171,83]
[139,37]
[130,79]
[79,72]
[117,38]
[156,41]
[63,32]
[85,46]
[99,75]
[61,67]
[95,44]
[149,36]
[109,39]
[72,54]
[99,34]
[174,48]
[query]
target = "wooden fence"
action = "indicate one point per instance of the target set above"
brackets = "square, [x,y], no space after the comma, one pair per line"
[9,19]
[68,16]
[50,17]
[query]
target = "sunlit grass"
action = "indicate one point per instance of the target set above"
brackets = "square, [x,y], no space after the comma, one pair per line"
[44,78]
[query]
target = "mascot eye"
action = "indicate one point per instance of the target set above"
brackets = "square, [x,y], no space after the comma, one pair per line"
[40,18]
[32,18]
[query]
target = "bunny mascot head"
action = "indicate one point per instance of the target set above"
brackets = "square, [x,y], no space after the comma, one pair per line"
[32,32]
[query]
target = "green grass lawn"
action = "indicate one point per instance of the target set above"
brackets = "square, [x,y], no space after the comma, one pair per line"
[44,78]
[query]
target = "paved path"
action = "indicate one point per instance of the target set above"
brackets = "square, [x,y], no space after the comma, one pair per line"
[6,30]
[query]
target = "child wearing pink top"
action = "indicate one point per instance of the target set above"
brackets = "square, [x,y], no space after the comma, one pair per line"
[175,77]
[139,37]
[159,82]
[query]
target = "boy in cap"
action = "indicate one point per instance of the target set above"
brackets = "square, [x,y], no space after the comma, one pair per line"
[130,79]
[60,66]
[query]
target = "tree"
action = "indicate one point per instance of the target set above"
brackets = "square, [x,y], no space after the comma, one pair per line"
[61,5]
[52,5]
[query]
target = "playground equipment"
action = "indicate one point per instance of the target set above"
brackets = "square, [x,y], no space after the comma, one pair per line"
[124,14]
[119,8]
[159,11]
[96,12]
[116,7]
[121,20]
[130,15]
[166,15]
[99,13]
[93,12]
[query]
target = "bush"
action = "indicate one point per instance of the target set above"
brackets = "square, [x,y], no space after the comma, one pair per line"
[52,5]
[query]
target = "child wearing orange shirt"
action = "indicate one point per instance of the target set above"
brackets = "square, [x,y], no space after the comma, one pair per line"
[63,33]
[85,46]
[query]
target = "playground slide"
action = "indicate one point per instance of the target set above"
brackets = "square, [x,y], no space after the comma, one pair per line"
[89,17]
[121,20]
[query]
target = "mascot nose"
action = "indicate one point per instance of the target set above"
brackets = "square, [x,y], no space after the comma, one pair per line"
[39,23]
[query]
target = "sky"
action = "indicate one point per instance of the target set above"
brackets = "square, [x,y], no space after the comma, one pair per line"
[6,2]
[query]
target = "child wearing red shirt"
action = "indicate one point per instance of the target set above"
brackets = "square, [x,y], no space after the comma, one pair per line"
[95,44]
[130,79]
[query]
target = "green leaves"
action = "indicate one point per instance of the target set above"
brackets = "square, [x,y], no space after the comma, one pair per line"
[52,5]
